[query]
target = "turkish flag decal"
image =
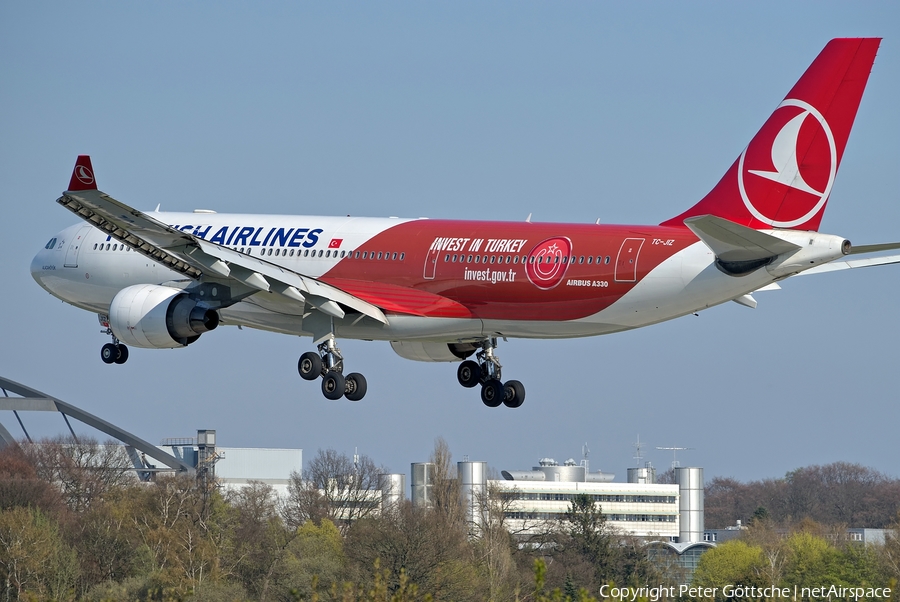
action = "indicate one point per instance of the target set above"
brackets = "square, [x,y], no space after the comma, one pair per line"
[335,243]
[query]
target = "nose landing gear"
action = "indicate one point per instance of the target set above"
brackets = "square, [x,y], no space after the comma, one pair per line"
[487,371]
[115,352]
[329,364]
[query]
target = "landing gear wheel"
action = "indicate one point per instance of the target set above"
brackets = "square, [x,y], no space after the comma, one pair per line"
[123,354]
[468,374]
[333,385]
[109,353]
[492,393]
[310,366]
[513,394]
[355,386]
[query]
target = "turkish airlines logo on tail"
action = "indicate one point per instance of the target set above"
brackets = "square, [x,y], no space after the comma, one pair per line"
[786,173]
[545,268]
[84,175]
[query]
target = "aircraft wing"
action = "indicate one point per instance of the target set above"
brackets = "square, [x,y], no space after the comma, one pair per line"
[195,257]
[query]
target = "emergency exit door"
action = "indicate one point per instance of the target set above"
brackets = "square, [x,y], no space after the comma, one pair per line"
[74,246]
[627,260]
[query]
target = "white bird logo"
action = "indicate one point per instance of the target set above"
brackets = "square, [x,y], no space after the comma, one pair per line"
[787,166]
[784,157]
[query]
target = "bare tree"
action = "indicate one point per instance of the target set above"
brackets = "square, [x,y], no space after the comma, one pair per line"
[20,485]
[417,543]
[260,537]
[493,543]
[83,469]
[333,486]
[445,484]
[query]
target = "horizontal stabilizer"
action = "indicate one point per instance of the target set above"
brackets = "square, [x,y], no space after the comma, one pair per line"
[734,243]
[847,264]
[888,246]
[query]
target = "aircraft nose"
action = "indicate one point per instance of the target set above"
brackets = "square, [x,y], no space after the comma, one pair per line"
[44,265]
[37,264]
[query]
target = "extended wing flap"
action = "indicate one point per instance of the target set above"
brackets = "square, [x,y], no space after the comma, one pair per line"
[145,234]
[308,287]
[733,242]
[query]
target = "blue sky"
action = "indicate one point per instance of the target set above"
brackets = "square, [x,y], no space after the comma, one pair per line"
[627,112]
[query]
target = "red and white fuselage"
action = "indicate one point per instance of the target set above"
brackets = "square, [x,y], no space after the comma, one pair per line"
[438,280]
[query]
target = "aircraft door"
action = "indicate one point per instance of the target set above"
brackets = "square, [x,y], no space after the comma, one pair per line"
[431,259]
[626,261]
[74,246]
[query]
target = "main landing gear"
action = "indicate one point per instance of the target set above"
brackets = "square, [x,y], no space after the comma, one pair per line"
[487,372]
[115,352]
[329,364]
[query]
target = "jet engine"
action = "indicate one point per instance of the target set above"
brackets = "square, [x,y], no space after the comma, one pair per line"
[422,351]
[159,317]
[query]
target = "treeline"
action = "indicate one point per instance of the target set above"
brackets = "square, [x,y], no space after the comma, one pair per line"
[75,524]
[808,555]
[834,494]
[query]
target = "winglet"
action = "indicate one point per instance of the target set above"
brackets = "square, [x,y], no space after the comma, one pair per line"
[83,175]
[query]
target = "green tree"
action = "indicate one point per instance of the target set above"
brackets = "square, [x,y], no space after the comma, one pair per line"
[811,561]
[731,563]
[587,552]
[315,557]
[34,559]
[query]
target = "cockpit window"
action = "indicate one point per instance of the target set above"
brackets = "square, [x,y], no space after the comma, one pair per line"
[50,244]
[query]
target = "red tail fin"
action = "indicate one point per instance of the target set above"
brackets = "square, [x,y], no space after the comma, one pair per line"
[83,175]
[784,176]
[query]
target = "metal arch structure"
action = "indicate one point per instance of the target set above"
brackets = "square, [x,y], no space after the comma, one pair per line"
[31,400]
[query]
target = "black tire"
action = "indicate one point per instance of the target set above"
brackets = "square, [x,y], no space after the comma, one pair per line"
[333,385]
[513,394]
[310,366]
[492,393]
[109,353]
[355,386]
[468,374]
[123,354]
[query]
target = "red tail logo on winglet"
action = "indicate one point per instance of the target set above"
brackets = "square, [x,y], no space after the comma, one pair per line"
[83,175]
[784,176]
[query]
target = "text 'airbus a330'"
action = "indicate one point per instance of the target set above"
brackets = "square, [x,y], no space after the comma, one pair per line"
[447,290]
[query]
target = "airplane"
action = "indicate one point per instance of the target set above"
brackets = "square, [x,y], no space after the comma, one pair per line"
[449,290]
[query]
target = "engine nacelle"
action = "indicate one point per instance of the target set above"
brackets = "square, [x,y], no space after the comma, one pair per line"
[421,351]
[158,317]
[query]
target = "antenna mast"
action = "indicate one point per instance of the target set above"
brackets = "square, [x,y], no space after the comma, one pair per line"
[674,451]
